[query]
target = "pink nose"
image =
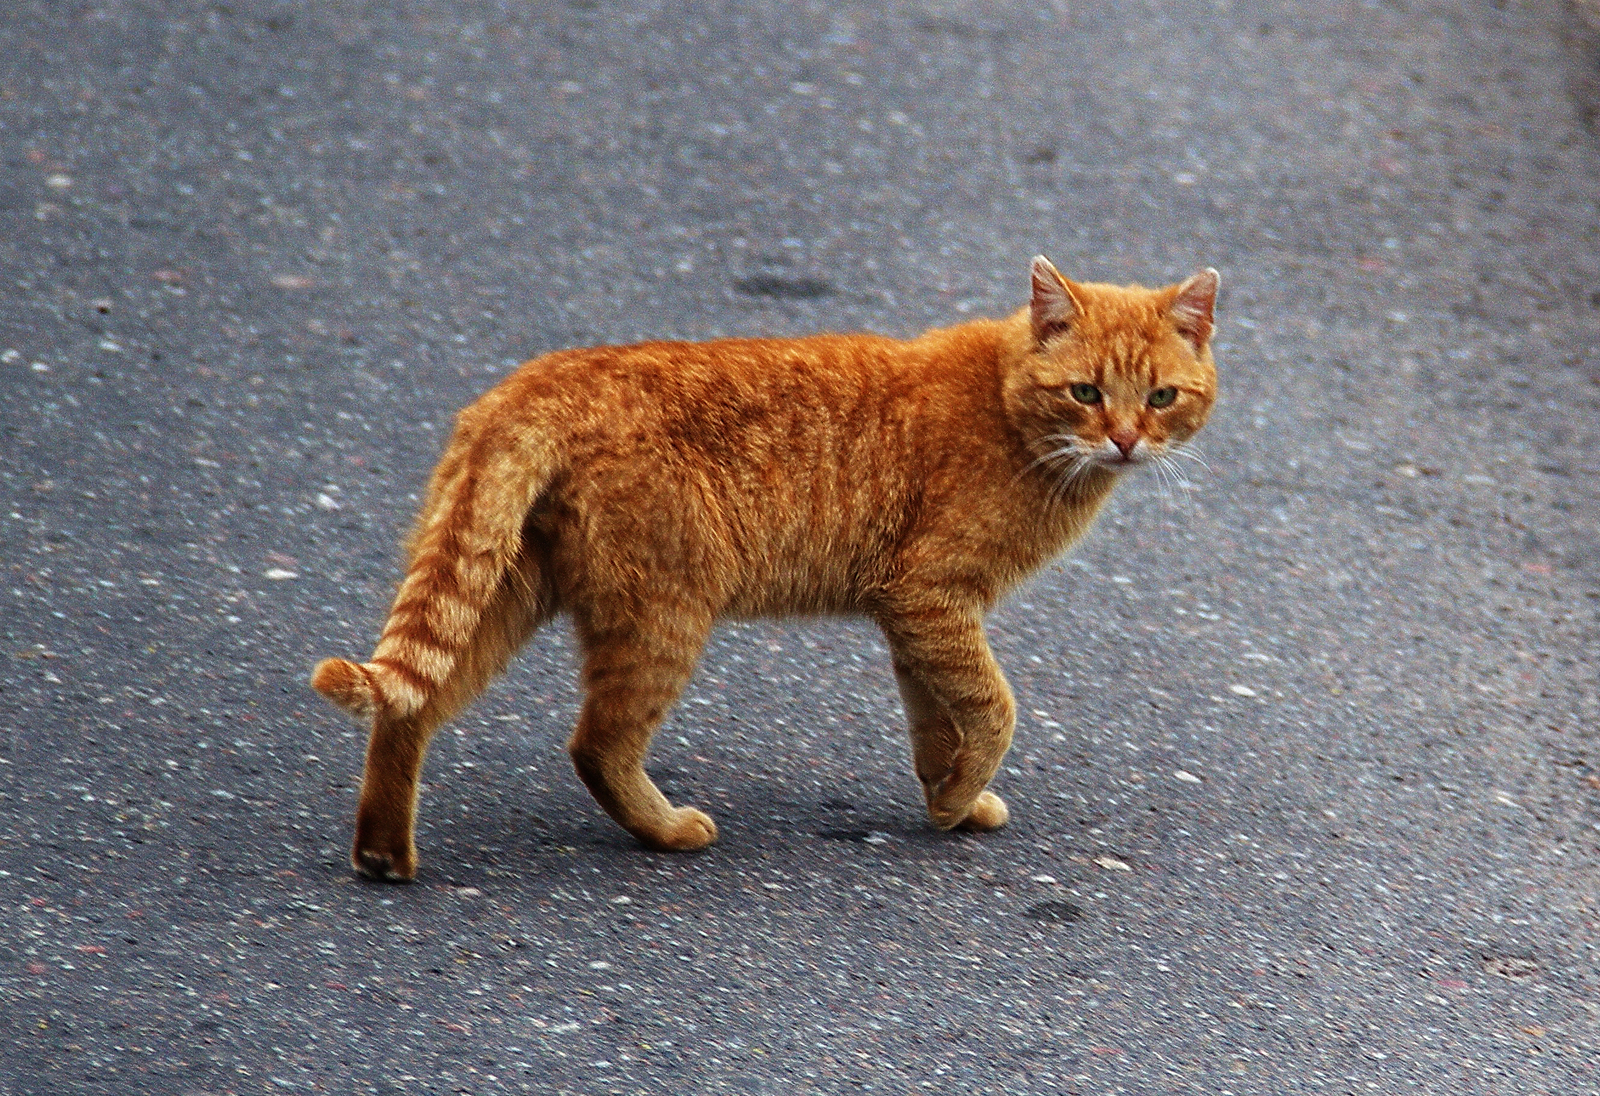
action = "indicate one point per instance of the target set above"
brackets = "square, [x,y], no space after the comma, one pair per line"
[1125,440]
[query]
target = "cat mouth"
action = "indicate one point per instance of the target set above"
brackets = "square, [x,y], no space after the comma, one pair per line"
[1113,456]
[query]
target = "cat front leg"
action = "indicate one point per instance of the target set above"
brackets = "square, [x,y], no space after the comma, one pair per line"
[633,673]
[934,745]
[960,712]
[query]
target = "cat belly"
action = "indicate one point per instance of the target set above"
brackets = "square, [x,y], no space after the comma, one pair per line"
[714,577]
[800,592]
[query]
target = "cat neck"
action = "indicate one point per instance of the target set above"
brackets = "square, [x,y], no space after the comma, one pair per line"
[991,467]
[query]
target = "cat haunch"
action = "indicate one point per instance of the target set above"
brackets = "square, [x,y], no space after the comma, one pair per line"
[651,490]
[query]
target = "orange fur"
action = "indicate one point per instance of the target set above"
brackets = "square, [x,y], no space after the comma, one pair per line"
[651,490]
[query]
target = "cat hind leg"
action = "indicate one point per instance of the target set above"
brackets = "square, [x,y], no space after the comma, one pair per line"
[632,675]
[384,847]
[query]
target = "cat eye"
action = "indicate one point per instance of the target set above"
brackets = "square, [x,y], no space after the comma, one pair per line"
[1161,397]
[1086,393]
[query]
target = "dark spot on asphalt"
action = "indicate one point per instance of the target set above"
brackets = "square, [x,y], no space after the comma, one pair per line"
[844,835]
[1055,913]
[1518,968]
[771,285]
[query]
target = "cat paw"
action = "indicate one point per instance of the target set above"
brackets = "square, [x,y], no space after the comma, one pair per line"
[384,867]
[988,813]
[686,830]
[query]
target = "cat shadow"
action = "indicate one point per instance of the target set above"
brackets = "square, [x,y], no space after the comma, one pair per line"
[469,840]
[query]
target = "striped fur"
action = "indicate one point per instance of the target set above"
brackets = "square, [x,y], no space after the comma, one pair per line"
[463,547]
[650,490]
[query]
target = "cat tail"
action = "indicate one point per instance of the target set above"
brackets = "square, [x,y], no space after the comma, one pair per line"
[466,543]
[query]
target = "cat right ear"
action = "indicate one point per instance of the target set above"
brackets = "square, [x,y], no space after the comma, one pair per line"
[1053,309]
[1193,303]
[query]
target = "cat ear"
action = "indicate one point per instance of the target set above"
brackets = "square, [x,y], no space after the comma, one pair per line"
[1192,306]
[1053,307]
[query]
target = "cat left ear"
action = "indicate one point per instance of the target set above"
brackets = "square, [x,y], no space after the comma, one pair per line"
[1053,308]
[1193,305]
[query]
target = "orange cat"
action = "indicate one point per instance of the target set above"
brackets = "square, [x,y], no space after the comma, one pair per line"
[650,490]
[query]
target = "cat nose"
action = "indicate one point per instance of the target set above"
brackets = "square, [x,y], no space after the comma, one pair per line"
[1125,440]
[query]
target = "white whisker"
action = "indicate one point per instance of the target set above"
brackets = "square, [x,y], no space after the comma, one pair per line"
[1075,464]
[1165,479]
[1179,479]
[1189,451]
[1066,450]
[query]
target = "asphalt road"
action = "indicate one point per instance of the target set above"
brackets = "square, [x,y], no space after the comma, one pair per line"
[1306,790]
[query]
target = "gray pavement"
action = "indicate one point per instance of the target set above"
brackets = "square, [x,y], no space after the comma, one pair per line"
[1306,790]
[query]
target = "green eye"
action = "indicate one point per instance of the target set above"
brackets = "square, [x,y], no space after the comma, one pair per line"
[1161,397]
[1086,393]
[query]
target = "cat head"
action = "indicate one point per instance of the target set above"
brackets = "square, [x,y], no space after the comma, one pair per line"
[1115,376]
